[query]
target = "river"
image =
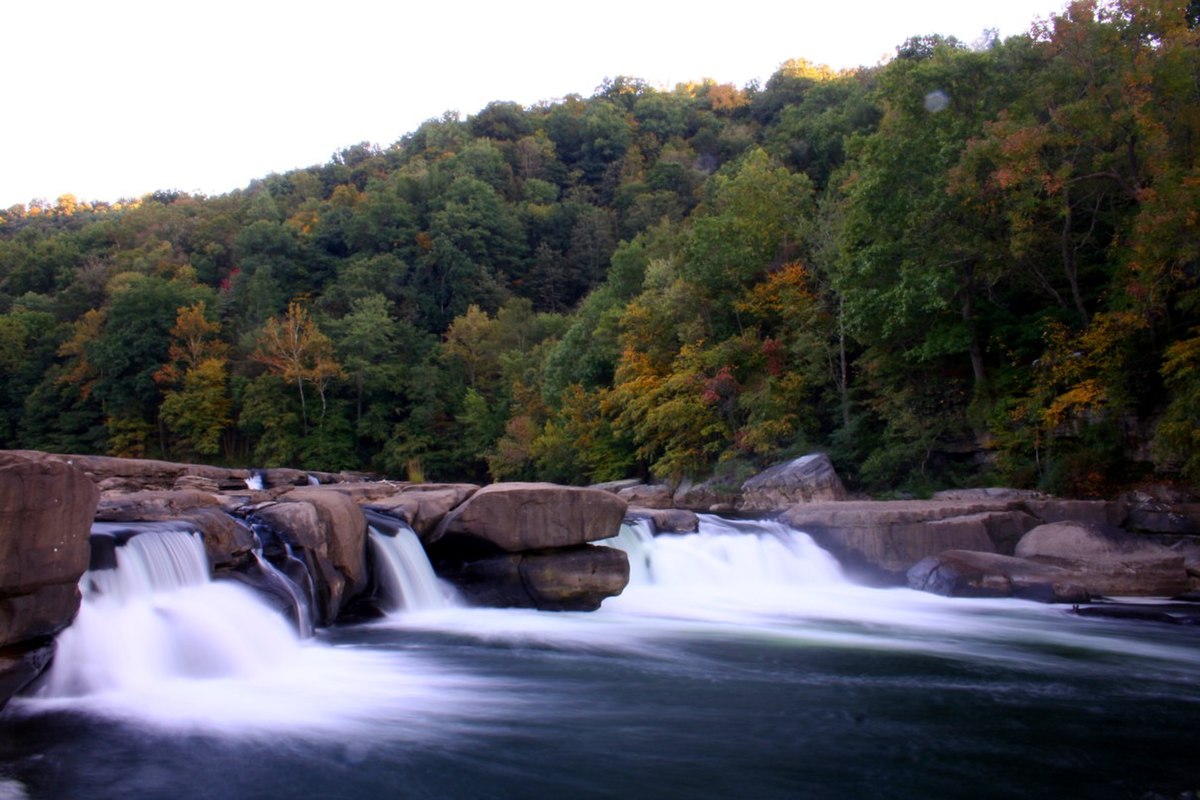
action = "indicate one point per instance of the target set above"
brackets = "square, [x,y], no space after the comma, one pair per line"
[739,663]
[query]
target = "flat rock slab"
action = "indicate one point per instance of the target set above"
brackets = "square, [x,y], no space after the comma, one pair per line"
[963,573]
[515,517]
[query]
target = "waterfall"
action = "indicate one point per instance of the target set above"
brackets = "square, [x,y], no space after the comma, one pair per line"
[405,575]
[156,615]
[282,583]
[255,482]
[726,553]
[157,641]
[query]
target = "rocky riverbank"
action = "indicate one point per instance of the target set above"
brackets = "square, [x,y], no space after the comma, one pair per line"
[532,545]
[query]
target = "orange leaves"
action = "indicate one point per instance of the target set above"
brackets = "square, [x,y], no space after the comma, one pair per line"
[782,293]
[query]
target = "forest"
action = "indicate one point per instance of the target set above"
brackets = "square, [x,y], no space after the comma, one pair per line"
[970,265]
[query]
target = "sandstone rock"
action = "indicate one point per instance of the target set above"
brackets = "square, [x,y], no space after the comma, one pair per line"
[569,579]
[227,541]
[531,516]
[577,579]
[714,496]
[962,573]
[802,480]
[616,486]
[877,542]
[1095,512]
[1107,561]
[46,510]
[152,505]
[45,517]
[667,520]
[989,493]
[344,530]
[647,496]
[300,524]
[424,505]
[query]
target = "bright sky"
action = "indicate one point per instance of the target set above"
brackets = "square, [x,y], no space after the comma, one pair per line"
[108,99]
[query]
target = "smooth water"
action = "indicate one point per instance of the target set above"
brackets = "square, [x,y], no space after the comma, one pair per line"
[740,664]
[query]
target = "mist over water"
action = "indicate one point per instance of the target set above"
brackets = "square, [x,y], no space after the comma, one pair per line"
[738,662]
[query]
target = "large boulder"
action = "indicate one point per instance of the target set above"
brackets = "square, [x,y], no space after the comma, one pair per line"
[46,510]
[1107,561]
[569,579]
[514,517]
[309,533]
[963,573]
[345,532]
[802,480]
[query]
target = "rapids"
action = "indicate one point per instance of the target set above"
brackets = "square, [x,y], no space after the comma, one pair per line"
[738,663]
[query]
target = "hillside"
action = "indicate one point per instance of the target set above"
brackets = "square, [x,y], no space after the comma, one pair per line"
[962,266]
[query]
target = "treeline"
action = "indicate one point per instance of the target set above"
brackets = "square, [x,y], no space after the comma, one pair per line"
[967,265]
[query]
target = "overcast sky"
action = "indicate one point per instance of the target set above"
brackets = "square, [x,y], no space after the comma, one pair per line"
[106,99]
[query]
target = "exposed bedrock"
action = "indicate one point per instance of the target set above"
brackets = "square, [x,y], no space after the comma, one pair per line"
[879,541]
[1060,562]
[46,510]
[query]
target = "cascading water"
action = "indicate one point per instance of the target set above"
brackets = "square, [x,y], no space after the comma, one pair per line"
[406,577]
[738,662]
[156,641]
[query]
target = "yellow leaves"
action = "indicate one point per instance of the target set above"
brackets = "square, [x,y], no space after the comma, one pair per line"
[1080,373]
[784,292]
[86,329]
[1085,396]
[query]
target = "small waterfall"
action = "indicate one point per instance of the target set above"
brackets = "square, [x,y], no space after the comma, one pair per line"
[281,582]
[155,616]
[138,560]
[406,577]
[255,482]
[636,538]
[726,553]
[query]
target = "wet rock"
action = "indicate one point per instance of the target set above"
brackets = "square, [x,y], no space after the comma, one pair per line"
[963,573]
[667,520]
[344,529]
[300,525]
[568,579]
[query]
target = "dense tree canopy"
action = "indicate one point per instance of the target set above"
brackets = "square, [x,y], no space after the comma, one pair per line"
[970,264]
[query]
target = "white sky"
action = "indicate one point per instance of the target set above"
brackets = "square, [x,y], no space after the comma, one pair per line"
[106,99]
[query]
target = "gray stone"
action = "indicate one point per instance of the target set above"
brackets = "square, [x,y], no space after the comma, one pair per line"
[803,480]
[1107,561]
[962,573]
